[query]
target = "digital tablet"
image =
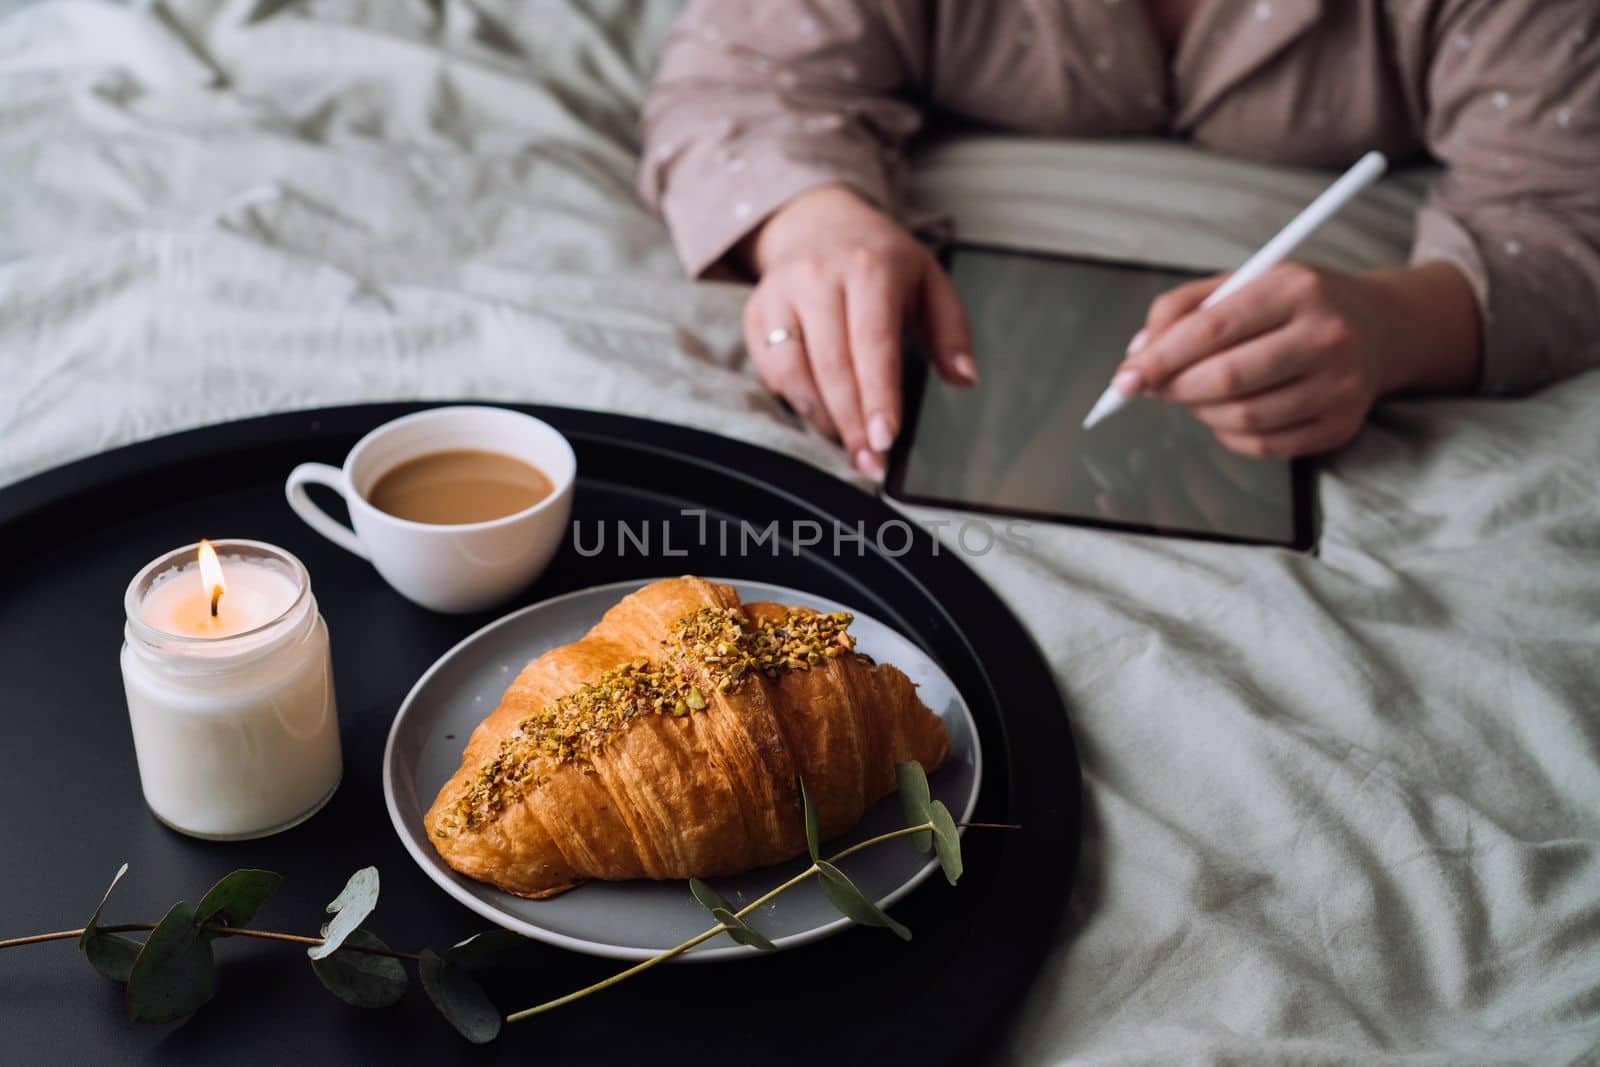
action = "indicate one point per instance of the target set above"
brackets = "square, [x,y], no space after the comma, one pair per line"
[1049,331]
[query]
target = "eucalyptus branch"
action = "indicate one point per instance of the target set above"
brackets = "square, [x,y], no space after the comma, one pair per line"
[680,949]
[914,795]
[170,974]
[209,928]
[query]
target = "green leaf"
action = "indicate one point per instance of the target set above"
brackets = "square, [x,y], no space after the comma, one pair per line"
[946,840]
[110,954]
[174,974]
[741,932]
[360,978]
[852,902]
[113,955]
[914,798]
[349,909]
[89,927]
[812,832]
[459,998]
[492,948]
[709,898]
[235,900]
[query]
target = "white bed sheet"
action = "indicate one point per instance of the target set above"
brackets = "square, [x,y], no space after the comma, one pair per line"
[1340,809]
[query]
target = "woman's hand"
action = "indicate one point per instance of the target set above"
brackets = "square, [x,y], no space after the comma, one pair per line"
[841,283]
[1292,363]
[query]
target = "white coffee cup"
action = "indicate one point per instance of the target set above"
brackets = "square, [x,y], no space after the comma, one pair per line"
[451,568]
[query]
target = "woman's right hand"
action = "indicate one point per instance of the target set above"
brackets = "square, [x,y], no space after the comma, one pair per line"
[846,282]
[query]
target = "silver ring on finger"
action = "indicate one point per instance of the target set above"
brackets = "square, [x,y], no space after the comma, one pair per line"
[781,335]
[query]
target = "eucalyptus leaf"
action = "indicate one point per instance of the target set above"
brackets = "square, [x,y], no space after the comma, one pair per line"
[914,798]
[843,894]
[174,973]
[349,909]
[946,839]
[89,927]
[741,931]
[236,898]
[492,948]
[709,898]
[360,978]
[110,954]
[459,998]
[813,834]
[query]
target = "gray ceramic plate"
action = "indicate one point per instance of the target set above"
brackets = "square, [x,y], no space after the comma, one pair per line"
[635,920]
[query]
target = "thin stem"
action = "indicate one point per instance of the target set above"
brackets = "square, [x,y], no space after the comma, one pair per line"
[539,1009]
[268,935]
[904,831]
[678,950]
[298,939]
[62,935]
[769,894]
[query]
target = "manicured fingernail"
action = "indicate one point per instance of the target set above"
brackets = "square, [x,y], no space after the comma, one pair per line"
[965,368]
[869,463]
[1140,339]
[879,435]
[1128,382]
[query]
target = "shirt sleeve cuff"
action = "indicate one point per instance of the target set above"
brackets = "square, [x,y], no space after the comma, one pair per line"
[1440,237]
[709,212]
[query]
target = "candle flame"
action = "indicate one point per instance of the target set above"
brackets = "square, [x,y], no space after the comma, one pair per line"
[211,575]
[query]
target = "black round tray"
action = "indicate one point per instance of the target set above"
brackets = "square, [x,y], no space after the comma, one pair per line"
[73,537]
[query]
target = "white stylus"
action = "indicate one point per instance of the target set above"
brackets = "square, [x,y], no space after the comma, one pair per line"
[1303,225]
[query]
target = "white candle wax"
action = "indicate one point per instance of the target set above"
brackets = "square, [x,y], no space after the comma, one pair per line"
[179,604]
[234,719]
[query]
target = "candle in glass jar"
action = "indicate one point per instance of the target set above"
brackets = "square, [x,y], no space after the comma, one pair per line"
[189,603]
[230,692]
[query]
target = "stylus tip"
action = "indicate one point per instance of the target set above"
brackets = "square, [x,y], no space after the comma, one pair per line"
[1111,401]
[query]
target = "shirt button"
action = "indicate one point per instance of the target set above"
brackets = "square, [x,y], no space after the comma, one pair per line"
[742,209]
[1263,11]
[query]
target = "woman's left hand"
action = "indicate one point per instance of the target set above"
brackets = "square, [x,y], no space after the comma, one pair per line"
[1291,363]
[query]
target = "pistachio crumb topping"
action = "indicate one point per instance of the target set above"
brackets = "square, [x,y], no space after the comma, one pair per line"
[709,650]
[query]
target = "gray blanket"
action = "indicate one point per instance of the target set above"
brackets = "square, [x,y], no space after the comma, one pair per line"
[1340,809]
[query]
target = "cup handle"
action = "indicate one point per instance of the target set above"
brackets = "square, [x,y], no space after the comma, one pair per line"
[319,520]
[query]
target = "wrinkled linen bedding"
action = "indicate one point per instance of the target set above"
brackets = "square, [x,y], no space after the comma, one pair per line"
[1339,809]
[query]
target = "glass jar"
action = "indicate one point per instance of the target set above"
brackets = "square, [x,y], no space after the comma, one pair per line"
[236,733]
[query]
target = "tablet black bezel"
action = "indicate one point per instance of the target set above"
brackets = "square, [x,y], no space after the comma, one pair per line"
[914,380]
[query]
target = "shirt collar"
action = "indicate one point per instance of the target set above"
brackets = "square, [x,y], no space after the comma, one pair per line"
[1229,40]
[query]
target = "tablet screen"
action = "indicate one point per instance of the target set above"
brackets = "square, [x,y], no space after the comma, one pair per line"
[1049,332]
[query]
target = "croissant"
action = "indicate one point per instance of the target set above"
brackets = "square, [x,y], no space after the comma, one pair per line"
[668,743]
